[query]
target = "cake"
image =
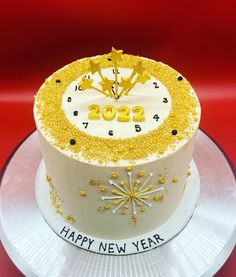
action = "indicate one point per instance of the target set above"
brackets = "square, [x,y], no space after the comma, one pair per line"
[117,133]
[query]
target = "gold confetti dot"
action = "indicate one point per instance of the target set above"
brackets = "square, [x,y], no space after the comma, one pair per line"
[142,209]
[189,173]
[114,175]
[134,216]
[141,174]
[161,181]
[137,182]
[82,193]
[103,189]
[48,178]
[129,168]
[158,197]
[122,183]
[106,206]
[123,212]
[195,119]
[70,218]
[174,180]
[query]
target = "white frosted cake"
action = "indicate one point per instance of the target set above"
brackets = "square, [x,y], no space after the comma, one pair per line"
[117,133]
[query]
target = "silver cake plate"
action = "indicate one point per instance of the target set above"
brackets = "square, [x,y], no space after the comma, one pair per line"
[137,244]
[200,249]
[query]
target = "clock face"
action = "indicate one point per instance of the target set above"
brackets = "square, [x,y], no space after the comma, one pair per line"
[144,108]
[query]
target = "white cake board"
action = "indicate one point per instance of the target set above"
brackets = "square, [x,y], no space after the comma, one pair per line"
[137,244]
[200,249]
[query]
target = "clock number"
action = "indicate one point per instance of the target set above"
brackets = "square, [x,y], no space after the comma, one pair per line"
[109,112]
[165,100]
[124,114]
[69,99]
[85,124]
[77,88]
[117,71]
[94,112]
[110,133]
[87,76]
[138,113]
[75,113]
[155,85]
[137,128]
[156,117]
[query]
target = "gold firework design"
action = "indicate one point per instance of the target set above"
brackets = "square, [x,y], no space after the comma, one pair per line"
[136,195]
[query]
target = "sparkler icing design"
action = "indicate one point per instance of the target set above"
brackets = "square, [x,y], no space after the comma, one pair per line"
[136,194]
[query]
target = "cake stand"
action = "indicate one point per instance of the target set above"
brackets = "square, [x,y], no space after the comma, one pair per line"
[200,249]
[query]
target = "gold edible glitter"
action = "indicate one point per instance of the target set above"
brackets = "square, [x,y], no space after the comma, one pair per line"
[134,216]
[174,180]
[82,193]
[158,197]
[142,209]
[129,168]
[59,131]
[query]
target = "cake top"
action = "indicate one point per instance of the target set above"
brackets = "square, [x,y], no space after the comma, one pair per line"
[116,108]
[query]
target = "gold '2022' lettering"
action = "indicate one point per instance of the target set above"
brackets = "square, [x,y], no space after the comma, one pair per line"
[109,113]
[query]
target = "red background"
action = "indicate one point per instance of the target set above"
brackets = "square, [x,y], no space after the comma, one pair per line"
[195,37]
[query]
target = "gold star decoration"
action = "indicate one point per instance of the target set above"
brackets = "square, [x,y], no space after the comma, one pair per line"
[143,78]
[86,84]
[125,83]
[106,84]
[138,68]
[94,67]
[115,55]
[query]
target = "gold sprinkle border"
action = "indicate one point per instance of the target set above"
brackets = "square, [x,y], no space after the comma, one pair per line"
[182,117]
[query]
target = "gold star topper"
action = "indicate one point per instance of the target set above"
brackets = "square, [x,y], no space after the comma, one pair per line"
[123,87]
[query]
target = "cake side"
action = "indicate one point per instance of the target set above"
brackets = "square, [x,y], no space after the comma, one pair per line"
[117,134]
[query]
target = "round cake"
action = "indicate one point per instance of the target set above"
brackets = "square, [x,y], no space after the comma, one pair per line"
[117,133]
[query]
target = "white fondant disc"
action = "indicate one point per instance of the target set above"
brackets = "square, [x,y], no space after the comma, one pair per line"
[132,245]
[200,249]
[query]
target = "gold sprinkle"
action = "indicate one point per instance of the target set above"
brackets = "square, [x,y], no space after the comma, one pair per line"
[161,151]
[158,197]
[48,178]
[174,180]
[103,189]
[129,168]
[82,193]
[106,206]
[141,174]
[142,209]
[126,206]
[70,218]
[180,137]
[137,182]
[122,183]
[189,173]
[134,216]
[161,181]
[195,119]
[123,212]
[114,175]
